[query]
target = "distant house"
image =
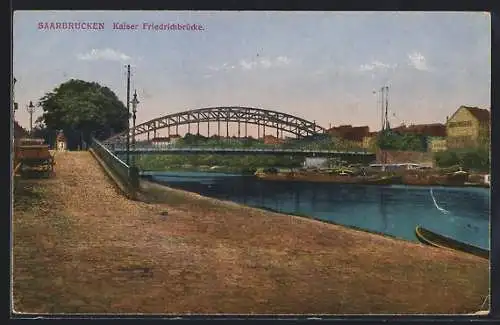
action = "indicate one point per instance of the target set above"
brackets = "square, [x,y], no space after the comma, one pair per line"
[315,162]
[436,144]
[370,141]
[174,138]
[468,127]
[162,141]
[429,130]
[349,132]
[269,139]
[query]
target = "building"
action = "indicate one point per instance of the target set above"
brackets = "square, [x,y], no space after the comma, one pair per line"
[370,141]
[468,127]
[165,141]
[429,130]
[269,139]
[174,138]
[436,144]
[350,133]
[315,162]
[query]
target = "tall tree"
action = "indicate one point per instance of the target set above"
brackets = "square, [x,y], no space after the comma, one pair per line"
[82,108]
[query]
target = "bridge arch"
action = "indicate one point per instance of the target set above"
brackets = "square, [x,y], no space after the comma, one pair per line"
[249,115]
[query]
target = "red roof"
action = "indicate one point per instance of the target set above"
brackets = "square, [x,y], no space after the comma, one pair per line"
[349,132]
[482,115]
[434,129]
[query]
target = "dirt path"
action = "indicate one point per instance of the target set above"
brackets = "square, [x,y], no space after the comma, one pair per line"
[79,246]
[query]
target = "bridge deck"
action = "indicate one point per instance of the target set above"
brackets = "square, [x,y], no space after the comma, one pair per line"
[265,151]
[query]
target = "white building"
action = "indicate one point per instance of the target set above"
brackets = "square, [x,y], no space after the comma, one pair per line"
[315,162]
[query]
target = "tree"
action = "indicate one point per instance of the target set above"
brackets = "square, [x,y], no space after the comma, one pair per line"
[446,158]
[82,108]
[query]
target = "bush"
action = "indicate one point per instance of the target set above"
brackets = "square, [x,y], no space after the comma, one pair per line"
[470,159]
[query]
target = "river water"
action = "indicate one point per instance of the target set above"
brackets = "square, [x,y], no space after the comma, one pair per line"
[460,213]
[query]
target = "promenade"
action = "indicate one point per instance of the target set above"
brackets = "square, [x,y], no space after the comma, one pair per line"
[80,246]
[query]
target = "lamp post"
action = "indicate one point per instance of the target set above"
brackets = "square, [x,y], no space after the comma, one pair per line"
[128,115]
[31,110]
[135,101]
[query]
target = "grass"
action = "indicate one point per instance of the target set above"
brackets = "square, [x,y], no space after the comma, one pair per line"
[80,247]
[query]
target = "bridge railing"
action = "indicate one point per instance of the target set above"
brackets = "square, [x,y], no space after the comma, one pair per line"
[242,150]
[128,176]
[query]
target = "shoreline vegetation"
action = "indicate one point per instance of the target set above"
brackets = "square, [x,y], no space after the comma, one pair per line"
[79,247]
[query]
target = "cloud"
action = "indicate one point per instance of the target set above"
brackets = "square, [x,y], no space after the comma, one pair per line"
[265,63]
[376,65]
[248,65]
[261,63]
[104,54]
[417,60]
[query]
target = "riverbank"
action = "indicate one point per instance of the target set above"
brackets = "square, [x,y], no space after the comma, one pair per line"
[380,179]
[79,246]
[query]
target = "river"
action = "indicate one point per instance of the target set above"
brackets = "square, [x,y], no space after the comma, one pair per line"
[460,213]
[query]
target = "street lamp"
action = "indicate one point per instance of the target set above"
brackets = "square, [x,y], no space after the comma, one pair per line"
[135,101]
[31,110]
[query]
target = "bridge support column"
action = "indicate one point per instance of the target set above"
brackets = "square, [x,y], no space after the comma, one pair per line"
[218,127]
[208,129]
[227,129]
[258,130]
[189,128]
[198,128]
[148,135]
[238,129]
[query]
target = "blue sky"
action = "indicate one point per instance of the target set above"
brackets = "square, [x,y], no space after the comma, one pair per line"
[321,66]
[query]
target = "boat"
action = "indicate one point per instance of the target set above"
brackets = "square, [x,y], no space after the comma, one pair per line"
[385,180]
[425,236]
[342,178]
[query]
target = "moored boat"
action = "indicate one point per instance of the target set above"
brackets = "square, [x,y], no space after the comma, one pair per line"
[431,238]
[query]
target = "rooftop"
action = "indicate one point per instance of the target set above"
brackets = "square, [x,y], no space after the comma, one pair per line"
[481,114]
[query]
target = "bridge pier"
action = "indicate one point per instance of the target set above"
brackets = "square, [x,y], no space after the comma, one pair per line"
[208,129]
[218,127]
[189,128]
[238,129]
[198,128]
[227,129]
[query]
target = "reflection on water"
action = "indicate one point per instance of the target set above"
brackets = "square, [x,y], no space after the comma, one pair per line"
[460,213]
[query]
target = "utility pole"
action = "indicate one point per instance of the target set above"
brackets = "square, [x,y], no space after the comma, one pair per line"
[387,125]
[382,97]
[128,115]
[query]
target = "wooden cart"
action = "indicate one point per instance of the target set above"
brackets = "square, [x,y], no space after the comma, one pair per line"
[34,159]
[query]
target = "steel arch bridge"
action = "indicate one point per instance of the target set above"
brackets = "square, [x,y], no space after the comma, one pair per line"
[247,115]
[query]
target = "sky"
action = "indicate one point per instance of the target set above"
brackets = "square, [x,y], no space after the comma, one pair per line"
[322,66]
